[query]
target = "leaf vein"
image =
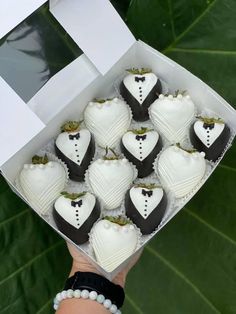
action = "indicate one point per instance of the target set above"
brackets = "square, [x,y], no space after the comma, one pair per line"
[188,29]
[204,51]
[133,304]
[171,19]
[14,217]
[182,276]
[209,226]
[31,261]
[227,167]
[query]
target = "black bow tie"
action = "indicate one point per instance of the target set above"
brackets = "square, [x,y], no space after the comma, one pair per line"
[148,193]
[137,79]
[140,137]
[72,137]
[78,203]
[209,126]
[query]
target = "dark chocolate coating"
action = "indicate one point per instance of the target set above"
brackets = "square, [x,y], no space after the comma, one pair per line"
[144,167]
[215,150]
[78,236]
[77,172]
[140,111]
[149,224]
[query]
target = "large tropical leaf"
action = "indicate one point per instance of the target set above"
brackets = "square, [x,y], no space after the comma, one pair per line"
[190,266]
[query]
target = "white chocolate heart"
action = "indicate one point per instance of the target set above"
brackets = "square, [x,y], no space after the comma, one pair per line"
[108,121]
[42,184]
[112,243]
[68,212]
[181,171]
[172,116]
[110,179]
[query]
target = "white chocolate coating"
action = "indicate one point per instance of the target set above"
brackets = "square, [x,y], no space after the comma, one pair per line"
[140,89]
[112,243]
[208,136]
[68,212]
[110,180]
[74,149]
[140,149]
[145,204]
[181,171]
[172,116]
[42,184]
[107,121]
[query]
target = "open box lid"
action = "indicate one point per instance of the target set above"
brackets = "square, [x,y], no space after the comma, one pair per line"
[96,28]
[12,12]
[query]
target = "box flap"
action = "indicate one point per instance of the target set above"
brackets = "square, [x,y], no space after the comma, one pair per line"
[96,27]
[12,12]
[18,124]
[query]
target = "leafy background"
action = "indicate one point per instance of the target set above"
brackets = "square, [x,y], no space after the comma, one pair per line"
[190,267]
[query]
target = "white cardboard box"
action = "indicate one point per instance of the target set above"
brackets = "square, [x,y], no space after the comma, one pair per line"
[62,98]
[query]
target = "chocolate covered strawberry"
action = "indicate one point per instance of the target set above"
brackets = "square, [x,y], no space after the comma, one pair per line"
[141,147]
[210,135]
[145,205]
[113,239]
[139,89]
[107,119]
[75,215]
[172,116]
[181,170]
[76,148]
[109,178]
[42,181]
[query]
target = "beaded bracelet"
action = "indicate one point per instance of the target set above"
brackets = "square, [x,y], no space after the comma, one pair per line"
[85,294]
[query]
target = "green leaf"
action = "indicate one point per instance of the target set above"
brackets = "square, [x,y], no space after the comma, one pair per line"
[190,266]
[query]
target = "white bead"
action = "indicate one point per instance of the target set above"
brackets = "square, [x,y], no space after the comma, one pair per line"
[202,154]
[55,306]
[179,96]
[84,294]
[32,167]
[55,301]
[70,293]
[64,294]
[131,227]
[77,294]
[116,228]
[107,303]
[93,295]
[113,308]
[100,298]
[106,225]
[170,97]
[59,297]
[41,166]
[161,96]
[125,229]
